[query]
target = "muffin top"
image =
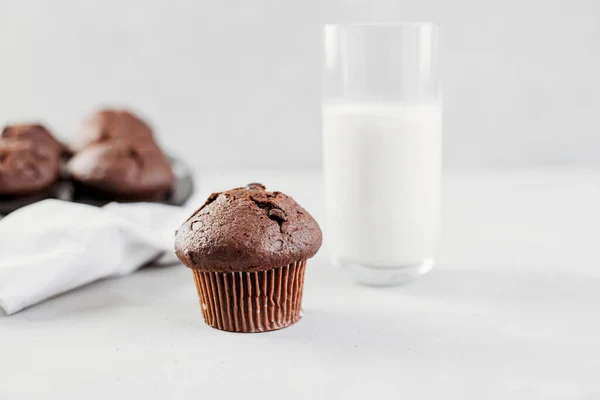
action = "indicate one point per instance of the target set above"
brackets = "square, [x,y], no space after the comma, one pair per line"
[116,155]
[24,168]
[35,133]
[111,125]
[139,171]
[247,229]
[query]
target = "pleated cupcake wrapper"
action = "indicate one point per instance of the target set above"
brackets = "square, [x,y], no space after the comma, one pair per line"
[252,301]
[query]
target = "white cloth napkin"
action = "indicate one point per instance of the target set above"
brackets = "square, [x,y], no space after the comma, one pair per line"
[53,246]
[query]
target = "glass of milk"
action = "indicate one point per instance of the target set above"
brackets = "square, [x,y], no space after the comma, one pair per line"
[382,136]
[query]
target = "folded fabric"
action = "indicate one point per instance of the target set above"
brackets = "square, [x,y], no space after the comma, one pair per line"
[53,246]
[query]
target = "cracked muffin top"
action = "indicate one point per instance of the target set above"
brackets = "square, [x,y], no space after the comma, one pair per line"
[109,125]
[29,160]
[247,229]
[117,157]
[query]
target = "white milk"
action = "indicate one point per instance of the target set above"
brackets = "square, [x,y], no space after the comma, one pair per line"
[382,177]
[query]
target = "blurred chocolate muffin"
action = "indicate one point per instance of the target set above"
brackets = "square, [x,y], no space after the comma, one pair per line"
[123,171]
[35,133]
[116,157]
[110,126]
[26,167]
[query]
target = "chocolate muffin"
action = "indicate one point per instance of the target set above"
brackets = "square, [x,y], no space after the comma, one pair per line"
[247,249]
[116,157]
[109,126]
[26,168]
[35,133]
[29,161]
[122,171]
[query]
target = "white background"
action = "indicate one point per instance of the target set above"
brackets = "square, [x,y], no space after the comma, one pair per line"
[237,83]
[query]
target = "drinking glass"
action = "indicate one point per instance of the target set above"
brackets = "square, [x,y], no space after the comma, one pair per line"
[382,136]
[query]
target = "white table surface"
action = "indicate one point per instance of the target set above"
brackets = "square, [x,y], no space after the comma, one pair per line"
[510,311]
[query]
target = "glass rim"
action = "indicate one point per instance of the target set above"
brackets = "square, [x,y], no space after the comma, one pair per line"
[399,24]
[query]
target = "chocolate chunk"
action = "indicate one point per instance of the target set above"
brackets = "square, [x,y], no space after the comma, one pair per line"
[255,186]
[277,214]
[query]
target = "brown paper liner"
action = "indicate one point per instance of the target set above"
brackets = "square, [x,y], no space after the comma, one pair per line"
[252,301]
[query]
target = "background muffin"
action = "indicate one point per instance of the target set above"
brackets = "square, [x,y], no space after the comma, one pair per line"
[29,160]
[247,248]
[117,157]
[109,126]
[36,133]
